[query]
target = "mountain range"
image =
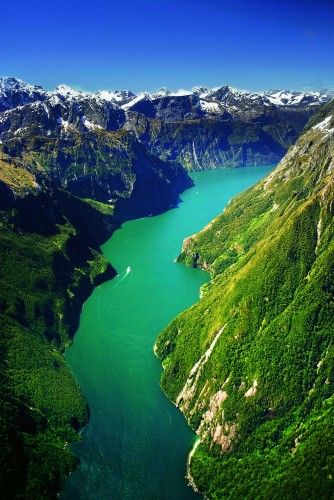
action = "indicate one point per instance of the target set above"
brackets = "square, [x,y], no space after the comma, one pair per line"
[201,128]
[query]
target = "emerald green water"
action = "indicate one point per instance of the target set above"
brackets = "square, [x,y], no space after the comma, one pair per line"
[136,442]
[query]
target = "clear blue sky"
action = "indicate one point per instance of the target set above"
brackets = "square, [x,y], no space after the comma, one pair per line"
[252,44]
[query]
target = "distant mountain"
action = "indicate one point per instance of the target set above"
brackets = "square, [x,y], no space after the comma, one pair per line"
[200,128]
[298,99]
[15,92]
[209,128]
[224,101]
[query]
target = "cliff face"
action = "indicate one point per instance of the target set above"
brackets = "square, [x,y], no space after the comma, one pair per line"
[251,365]
[50,262]
[105,166]
[223,141]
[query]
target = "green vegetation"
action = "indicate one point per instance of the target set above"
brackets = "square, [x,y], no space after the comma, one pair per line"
[16,175]
[102,207]
[49,264]
[251,365]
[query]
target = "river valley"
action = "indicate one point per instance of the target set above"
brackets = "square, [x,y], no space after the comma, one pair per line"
[136,443]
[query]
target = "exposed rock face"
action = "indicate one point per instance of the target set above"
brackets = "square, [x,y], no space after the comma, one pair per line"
[213,143]
[221,127]
[202,128]
[262,401]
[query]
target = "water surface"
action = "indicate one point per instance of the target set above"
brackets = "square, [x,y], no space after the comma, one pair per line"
[136,443]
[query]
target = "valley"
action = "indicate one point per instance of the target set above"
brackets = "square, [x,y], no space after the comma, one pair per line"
[136,443]
[249,364]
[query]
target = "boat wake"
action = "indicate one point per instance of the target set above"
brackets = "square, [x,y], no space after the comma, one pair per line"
[122,277]
[128,270]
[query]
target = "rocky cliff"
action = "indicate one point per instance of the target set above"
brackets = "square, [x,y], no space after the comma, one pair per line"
[207,128]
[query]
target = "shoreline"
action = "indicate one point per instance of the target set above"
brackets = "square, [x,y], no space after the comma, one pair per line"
[84,292]
[189,477]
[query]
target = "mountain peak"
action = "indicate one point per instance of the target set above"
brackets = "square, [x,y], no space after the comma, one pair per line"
[10,83]
[67,91]
[15,92]
[116,96]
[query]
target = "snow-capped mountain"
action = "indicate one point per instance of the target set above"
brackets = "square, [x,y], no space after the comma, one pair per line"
[200,128]
[58,112]
[15,92]
[201,101]
[171,105]
[297,99]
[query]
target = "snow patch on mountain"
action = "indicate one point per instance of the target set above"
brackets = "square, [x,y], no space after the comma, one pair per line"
[63,123]
[209,107]
[69,92]
[117,96]
[134,101]
[90,125]
[164,92]
[324,126]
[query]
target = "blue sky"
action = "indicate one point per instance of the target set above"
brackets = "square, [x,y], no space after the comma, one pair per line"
[178,44]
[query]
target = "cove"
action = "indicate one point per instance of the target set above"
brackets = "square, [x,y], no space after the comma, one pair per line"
[136,443]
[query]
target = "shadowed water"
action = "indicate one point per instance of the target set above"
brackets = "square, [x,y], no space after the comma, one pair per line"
[136,443]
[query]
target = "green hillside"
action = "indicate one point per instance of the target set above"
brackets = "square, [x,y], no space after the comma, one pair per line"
[251,364]
[50,261]
[49,265]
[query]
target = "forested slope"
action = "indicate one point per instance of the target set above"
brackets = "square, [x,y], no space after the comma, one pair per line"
[251,364]
[60,198]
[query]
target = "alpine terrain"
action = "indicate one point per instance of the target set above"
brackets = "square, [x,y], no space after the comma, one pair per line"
[201,128]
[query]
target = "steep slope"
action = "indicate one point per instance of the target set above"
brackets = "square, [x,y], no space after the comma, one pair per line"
[206,143]
[49,244]
[251,365]
[111,167]
[50,262]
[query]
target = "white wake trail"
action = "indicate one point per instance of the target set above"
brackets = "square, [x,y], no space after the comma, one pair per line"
[126,273]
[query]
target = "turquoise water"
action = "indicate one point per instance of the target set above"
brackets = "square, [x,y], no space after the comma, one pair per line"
[136,443]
